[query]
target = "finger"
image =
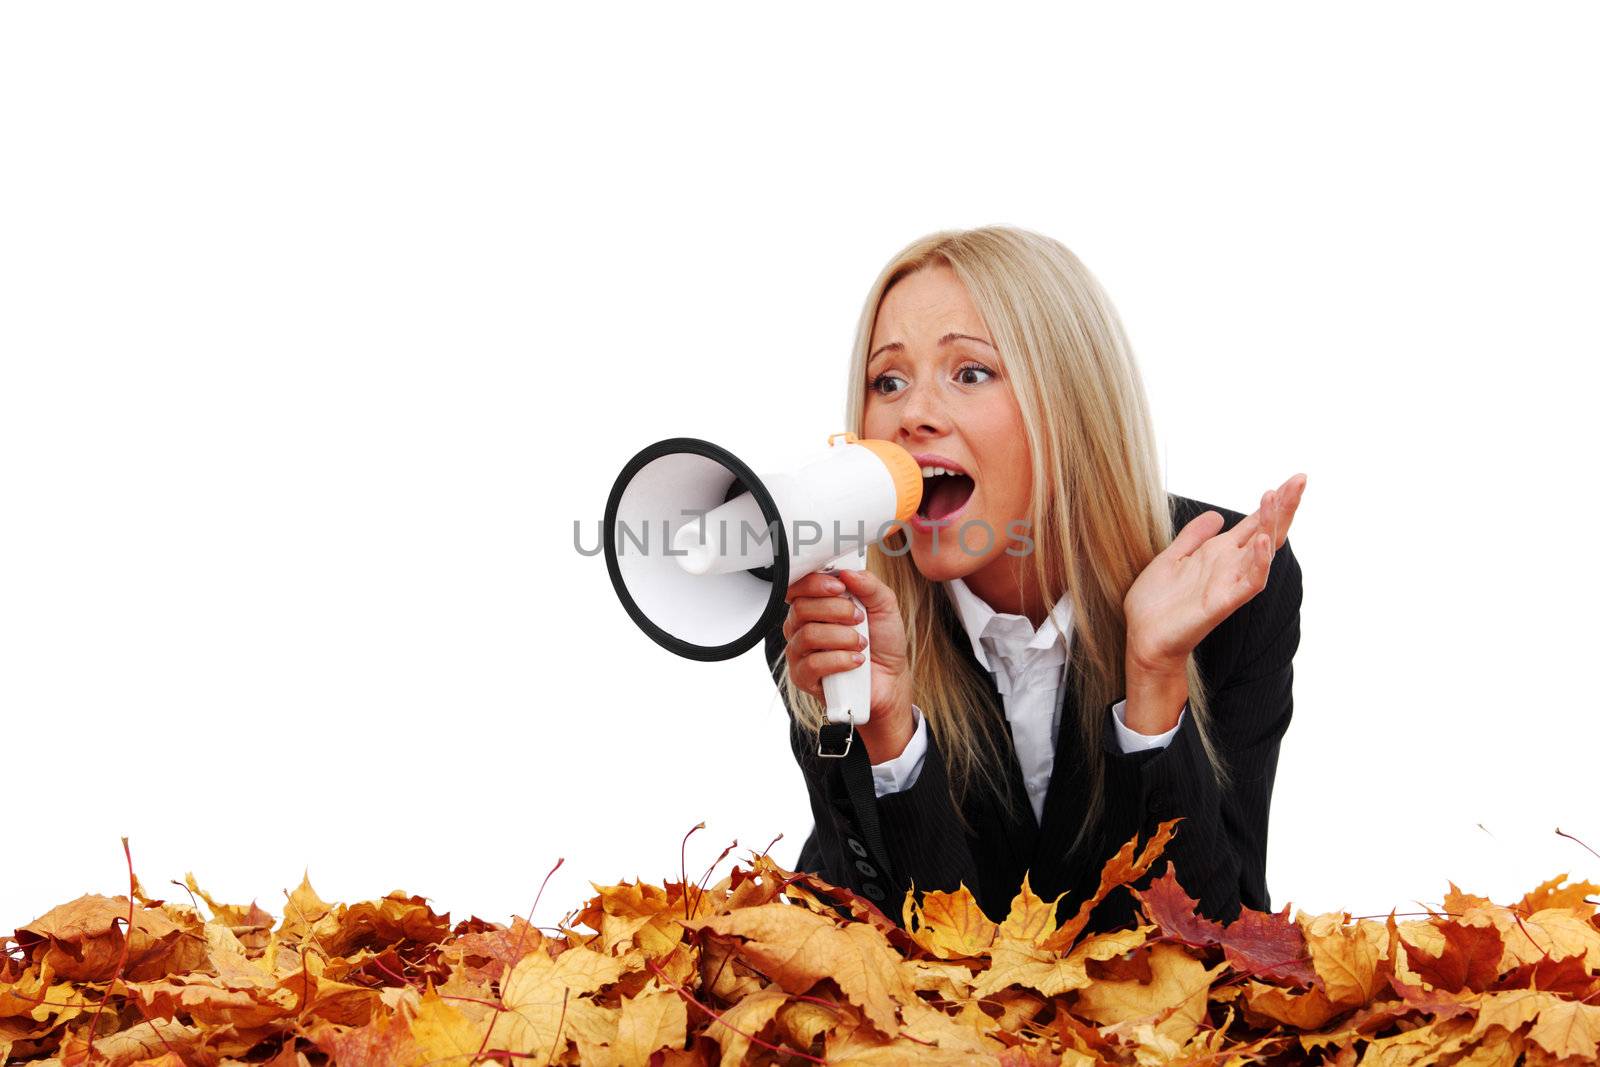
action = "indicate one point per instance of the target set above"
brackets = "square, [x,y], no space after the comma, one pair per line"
[868,588]
[808,609]
[1285,501]
[1196,532]
[819,665]
[1252,563]
[1253,523]
[824,609]
[1293,489]
[825,637]
[817,583]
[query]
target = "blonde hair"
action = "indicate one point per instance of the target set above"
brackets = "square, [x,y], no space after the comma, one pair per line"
[1099,512]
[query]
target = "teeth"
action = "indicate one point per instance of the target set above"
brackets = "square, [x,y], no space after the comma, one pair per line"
[929,472]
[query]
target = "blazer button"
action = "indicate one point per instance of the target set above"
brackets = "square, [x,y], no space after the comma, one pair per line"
[857,847]
[866,869]
[873,890]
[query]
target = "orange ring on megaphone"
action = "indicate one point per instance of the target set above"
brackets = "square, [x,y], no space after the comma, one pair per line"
[905,470]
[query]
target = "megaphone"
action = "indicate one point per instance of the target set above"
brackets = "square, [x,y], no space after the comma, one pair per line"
[701,550]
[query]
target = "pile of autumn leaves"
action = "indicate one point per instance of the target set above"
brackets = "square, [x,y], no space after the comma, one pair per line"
[768,966]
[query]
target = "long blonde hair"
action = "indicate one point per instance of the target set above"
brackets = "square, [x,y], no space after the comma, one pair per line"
[1099,512]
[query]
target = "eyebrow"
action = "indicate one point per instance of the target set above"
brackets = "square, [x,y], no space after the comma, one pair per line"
[946,339]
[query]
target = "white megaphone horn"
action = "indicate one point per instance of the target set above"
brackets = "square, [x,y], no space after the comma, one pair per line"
[701,550]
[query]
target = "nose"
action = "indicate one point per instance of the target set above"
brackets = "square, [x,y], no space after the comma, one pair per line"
[922,413]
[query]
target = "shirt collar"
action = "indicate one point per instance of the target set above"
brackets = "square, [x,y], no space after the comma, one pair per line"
[976,616]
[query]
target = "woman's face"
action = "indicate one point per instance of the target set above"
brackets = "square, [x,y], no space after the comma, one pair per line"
[936,387]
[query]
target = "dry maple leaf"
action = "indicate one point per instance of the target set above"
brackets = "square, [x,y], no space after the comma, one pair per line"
[950,925]
[1173,1001]
[768,966]
[796,949]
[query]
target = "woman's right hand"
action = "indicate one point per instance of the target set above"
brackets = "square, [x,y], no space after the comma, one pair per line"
[821,637]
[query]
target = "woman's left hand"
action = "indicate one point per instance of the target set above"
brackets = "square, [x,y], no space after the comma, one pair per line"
[1202,578]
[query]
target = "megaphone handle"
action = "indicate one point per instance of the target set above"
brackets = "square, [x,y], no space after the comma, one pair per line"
[848,694]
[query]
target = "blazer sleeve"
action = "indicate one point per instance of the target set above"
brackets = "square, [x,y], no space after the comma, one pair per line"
[1218,851]
[921,836]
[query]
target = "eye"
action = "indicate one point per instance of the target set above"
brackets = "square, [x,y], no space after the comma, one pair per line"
[974,368]
[872,386]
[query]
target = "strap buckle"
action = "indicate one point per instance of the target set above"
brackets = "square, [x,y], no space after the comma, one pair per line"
[833,738]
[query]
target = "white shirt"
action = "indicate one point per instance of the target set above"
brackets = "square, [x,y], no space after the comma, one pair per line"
[1028,668]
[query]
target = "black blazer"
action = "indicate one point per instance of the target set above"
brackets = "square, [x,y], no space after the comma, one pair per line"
[1219,850]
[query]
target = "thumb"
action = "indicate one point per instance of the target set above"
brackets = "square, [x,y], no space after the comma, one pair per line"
[1194,534]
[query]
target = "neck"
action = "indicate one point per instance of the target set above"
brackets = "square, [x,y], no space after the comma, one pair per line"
[1008,586]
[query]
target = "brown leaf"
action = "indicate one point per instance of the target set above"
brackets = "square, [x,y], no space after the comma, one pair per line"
[810,969]
[1121,869]
[1172,910]
[1436,1002]
[487,954]
[1269,945]
[1470,960]
[1568,975]
[82,940]
[385,1043]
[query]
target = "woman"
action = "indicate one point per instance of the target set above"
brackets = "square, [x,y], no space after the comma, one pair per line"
[995,747]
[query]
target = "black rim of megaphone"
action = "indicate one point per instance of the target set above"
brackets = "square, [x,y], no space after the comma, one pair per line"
[776,604]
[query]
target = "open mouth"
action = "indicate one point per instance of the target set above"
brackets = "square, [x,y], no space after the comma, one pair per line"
[944,492]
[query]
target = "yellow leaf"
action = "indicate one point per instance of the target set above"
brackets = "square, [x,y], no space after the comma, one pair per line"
[1553,932]
[654,1019]
[1031,919]
[1303,1011]
[303,909]
[802,1021]
[545,1001]
[443,1034]
[797,948]
[1568,1028]
[951,925]
[969,1032]
[1423,1046]
[746,1019]
[1510,1009]
[1173,1001]
[1346,956]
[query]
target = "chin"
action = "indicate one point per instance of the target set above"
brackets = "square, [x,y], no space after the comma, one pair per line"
[949,562]
[934,568]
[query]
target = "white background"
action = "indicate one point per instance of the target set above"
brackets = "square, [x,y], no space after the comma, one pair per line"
[322,324]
